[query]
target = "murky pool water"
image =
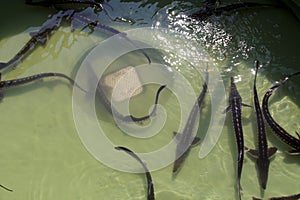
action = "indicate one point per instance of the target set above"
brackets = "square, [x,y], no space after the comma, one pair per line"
[42,155]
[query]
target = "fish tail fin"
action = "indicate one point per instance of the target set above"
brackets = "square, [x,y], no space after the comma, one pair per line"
[240,190]
[156,99]
[10,190]
[71,80]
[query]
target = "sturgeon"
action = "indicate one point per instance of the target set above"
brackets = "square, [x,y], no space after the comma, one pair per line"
[2,186]
[150,190]
[235,106]
[21,81]
[183,140]
[208,11]
[37,38]
[291,197]
[277,129]
[263,154]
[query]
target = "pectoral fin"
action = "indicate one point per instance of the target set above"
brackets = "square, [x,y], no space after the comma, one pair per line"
[226,110]
[196,141]
[271,152]
[253,153]
[43,40]
[177,136]
[294,152]
[34,33]
[246,105]
[295,131]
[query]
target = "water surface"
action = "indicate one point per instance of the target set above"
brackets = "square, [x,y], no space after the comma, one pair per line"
[42,156]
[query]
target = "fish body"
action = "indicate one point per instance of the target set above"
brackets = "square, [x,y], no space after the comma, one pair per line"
[76,5]
[235,106]
[39,37]
[21,81]
[58,4]
[184,140]
[118,115]
[112,110]
[96,25]
[150,190]
[29,46]
[291,197]
[203,14]
[263,153]
[277,129]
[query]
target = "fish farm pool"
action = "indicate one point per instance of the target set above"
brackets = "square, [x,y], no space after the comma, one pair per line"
[57,142]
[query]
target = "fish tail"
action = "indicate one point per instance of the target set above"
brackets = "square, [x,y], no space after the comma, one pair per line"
[294,74]
[140,49]
[146,55]
[108,5]
[240,167]
[140,119]
[240,189]
[70,79]
[156,98]
[10,190]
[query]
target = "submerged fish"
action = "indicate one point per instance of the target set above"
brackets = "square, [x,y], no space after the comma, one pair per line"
[112,110]
[210,4]
[21,81]
[291,197]
[87,22]
[76,5]
[2,186]
[58,3]
[208,11]
[37,38]
[140,119]
[150,190]
[263,153]
[127,118]
[184,140]
[277,129]
[235,106]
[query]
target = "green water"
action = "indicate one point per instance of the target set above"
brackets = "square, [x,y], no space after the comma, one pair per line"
[42,156]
